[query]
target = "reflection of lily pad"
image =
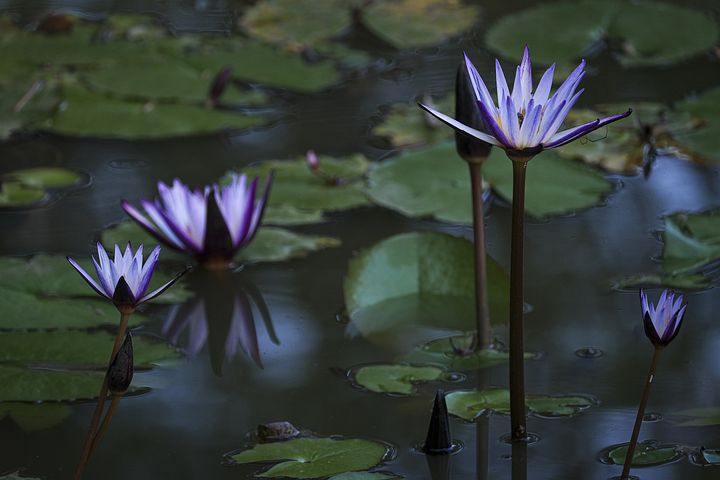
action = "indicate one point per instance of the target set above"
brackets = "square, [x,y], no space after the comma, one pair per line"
[418,279]
[647,454]
[701,417]
[296,190]
[314,457]
[407,125]
[434,181]
[90,114]
[649,33]
[270,244]
[470,404]
[418,23]
[32,417]
[394,378]
[457,353]
[76,348]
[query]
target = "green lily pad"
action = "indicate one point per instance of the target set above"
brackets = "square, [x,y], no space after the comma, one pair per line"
[394,378]
[406,125]
[418,23]
[647,454]
[471,404]
[271,244]
[414,282]
[434,182]
[650,33]
[286,214]
[90,114]
[34,385]
[73,349]
[456,353]
[302,196]
[704,138]
[365,476]
[15,194]
[314,457]
[32,417]
[51,277]
[45,177]
[683,281]
[711,457]
[691,241]
[18,114]
[702,417]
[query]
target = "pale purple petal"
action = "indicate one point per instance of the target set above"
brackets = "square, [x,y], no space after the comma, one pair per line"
[160,290]
[501,84]
[91,281]
[542,92]
[147,272]
[462,127]
[481,90]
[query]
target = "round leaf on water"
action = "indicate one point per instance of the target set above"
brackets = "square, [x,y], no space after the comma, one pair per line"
[416,280]
[691,241]
[684,281]
[314,457]
[302,196]
[406,125]
[33,417]
[16,194]
[74,349]
[470,404]
[700,417]
[270,244]
[394,378]
[704,138]
[647,454]
[45,177]
[285,214]
[95,115]
[418,23]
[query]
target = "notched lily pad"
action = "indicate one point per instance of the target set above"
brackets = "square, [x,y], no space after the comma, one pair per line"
[416,284]
[700,417]
[471,404]
[702,136]
[301,196]
[691,241]
[271,244]
[407,125]
[647,454]
[643,33]
[458,353]
[29,187]
[313,457]
[399,379]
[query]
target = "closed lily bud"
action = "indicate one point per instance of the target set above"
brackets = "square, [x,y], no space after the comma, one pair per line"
[120,372]
[467,112]
[312,160]
[218,86]
[662,322]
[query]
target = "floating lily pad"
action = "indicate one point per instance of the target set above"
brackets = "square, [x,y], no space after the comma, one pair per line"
[365,476]
[457,353]
[682,281]
[416,280]
[14,194]
[647,454]
[302,196]
[51,277]
[285,214]
[271,244]
[701,417]
[17,476]
[394,378]
[471,404]
[45,177]
[90,114]
[313,457]
[75,349]
[434,181]
[704,139]
[407,125]
[26,102]
[32,417]
[691,241]
[649,33]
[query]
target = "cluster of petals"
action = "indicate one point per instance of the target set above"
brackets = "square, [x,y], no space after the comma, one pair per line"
[662,321]
[525,119]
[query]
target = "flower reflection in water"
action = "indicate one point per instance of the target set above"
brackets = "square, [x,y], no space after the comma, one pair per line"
[224,318]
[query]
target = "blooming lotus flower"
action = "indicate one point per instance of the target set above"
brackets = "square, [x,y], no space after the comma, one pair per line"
[125,279]
[211,224]
[662,323]
[524,121]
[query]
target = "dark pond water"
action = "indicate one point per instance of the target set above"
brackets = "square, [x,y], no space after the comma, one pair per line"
[204,406]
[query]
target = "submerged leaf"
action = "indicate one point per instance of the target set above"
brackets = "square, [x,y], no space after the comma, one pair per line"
[314,457]
[470,404]
[394,378]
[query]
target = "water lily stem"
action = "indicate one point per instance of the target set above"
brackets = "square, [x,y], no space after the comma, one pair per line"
[517,372]
[482,309]
[639,418]
[105,425]
[87,446]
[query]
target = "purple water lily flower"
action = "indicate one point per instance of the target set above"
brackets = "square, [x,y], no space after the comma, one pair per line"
[125,279]
[211,224]
[524,121]
[662,323]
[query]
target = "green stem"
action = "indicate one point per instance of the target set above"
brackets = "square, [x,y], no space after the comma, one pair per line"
[87,446]
[482,309]
[639,418]
[105,425]
[517,372]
